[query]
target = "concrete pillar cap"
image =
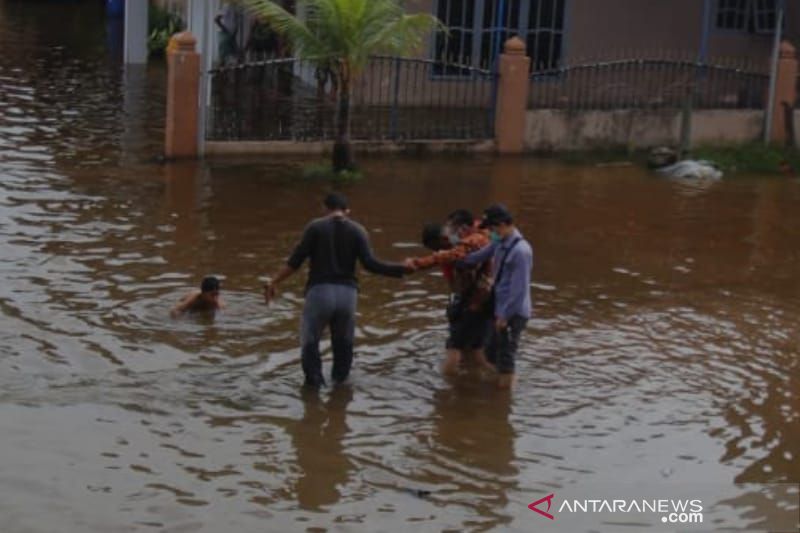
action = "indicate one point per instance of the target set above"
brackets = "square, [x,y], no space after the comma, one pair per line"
[787,50]
[182,42]
[514,46]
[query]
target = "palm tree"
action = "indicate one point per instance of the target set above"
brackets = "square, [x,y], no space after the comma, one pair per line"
[340,36]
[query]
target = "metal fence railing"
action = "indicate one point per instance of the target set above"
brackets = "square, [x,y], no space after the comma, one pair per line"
[394,98]
[648,84]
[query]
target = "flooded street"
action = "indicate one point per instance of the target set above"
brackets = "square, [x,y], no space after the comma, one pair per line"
[664,347]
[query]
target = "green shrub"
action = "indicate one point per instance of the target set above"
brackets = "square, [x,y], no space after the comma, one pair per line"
[754,158]
[324,171]
[751,158]
[162,25]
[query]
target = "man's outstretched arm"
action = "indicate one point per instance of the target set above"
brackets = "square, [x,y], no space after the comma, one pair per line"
[293,264]
[271,287]
[375,265]
[446,257]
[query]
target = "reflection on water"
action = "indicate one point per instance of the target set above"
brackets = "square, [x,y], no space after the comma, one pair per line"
[664,347]
[322,468]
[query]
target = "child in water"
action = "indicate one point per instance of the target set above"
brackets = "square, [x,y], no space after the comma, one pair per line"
[206,299]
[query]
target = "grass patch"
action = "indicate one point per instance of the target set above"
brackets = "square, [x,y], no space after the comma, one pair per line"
[750,158]
[324,172]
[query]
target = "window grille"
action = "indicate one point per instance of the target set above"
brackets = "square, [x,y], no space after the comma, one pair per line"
[478,29]
[752,16]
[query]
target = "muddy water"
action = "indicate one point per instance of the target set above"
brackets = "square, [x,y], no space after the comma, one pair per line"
[664,347]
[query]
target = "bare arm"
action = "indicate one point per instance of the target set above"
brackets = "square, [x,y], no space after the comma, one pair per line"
[271,287]
[183,306]
[300,253]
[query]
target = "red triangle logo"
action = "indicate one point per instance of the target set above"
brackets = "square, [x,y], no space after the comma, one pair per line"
[534,506]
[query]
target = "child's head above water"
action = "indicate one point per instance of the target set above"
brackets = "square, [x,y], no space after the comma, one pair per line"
[209,289]
[209,284]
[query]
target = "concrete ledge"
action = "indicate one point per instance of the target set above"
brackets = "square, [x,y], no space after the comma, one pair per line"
[223,148]
[553,130]
[240,148]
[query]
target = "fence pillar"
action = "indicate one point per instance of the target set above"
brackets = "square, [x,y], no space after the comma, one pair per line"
[785,93]
[512,97]
[183,104]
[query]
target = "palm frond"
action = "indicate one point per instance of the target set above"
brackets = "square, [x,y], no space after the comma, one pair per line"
[348,30]
[305,41]
[404,35]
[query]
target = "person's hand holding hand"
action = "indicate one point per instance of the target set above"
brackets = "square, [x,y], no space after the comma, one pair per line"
[410,265]
[500,324]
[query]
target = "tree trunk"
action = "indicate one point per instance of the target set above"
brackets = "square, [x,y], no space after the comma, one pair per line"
[322,75]
[342,151]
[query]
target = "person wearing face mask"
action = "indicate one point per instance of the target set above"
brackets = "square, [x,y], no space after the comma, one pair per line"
[469,323]
[512,262]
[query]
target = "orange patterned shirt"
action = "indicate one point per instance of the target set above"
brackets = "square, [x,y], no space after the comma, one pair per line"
[477,281]
[467,245]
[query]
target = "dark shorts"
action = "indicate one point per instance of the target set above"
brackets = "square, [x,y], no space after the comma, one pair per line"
[503,345]
[469,331]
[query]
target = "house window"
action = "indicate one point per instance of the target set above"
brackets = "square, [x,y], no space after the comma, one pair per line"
[478,29]
[493,35]
[753,16]
[731,14]
[545,36]
[764,15]
[455,48]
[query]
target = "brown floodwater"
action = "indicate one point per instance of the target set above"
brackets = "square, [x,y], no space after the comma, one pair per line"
[664,348]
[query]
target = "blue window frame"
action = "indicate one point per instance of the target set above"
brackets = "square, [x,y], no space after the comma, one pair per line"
[752,16]
[477,29]
[731,14]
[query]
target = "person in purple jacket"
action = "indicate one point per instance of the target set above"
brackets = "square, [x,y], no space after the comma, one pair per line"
[511,270]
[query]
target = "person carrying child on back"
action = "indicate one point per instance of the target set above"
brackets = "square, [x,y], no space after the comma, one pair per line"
[468,318]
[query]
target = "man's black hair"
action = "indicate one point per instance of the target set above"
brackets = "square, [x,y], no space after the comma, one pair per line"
[209,284]
[496,214]
[335,201]
[432,236]
[461,217]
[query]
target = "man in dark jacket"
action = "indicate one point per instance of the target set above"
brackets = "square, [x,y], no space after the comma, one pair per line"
[332,244]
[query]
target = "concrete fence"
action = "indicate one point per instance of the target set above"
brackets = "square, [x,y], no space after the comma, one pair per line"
[517,129]
[638,104]
[550,130]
